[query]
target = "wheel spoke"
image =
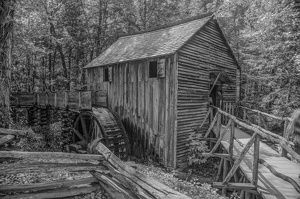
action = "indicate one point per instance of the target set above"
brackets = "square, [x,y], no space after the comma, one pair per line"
[79,135]
[91,129]
[84,128]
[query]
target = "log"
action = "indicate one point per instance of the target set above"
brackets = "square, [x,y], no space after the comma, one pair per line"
[267,114]
[206,116]
[48,167]
[6,139]
[219,170]
[218,155]
[49,155]
[21,133]
[46,186]
[211,125]
[221,137]
[138,180]
[255,160]
[56,193]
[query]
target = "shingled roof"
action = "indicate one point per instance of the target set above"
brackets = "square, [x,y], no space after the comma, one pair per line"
[149,44]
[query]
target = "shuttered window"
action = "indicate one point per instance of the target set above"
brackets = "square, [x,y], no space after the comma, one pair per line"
[152,69]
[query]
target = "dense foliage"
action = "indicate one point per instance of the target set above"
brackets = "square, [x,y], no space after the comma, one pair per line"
[55,39]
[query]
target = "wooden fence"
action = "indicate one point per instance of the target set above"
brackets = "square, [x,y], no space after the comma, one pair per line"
[109,173]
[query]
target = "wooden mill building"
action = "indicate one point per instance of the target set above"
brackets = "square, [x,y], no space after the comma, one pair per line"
[159,83]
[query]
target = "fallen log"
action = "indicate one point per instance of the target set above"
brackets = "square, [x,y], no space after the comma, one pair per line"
[21,133]
[48,167]
[49,155]
[47,186]
[138,182]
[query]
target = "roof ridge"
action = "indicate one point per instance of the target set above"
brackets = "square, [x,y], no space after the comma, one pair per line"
[179,22]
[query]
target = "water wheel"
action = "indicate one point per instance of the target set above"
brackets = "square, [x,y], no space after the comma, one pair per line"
[100,123]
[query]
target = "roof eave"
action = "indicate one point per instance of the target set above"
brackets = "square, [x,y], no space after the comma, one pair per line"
[131,60]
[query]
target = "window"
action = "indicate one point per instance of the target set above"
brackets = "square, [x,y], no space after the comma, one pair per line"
[105,75]
[152,69]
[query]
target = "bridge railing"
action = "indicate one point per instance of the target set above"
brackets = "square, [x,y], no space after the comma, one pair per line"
[260,118]
[258,133]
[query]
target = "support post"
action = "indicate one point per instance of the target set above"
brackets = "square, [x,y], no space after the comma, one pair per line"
[283,151]
[225,169]
[231,141]
[255,160]
[219,125]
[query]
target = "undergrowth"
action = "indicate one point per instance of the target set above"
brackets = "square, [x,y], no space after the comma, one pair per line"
[43,138]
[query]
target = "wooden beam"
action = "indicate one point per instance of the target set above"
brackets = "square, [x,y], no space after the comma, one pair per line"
[57,193]
[21,133]
[255,161]
[221,137]
[206,117]
[244,186]
[137,179]
[240,158]
[218,155]
[48,167]
[46,185]
[48,155]
[231,139]
[211,125]
[216,80]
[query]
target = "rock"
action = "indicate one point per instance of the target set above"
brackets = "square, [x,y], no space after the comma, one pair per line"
[83,144]
[74,147]
[82,151]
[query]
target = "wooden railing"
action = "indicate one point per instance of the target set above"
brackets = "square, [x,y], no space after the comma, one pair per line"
[259,118]
[258,133]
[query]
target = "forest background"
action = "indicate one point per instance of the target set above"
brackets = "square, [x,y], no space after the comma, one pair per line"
[54,39]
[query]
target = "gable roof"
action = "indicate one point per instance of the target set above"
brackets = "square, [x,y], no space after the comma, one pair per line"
[150,44]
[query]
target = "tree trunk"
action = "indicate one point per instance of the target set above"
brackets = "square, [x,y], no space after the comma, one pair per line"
[6,36]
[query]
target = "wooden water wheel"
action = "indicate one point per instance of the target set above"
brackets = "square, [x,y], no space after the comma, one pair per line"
[100,123]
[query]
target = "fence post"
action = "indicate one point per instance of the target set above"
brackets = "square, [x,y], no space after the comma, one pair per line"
[231,141]
[255,160]
[219,125]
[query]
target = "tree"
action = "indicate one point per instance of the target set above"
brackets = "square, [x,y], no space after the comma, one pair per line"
[6,39]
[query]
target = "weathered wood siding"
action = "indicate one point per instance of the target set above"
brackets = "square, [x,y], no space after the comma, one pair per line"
[147,106]
[206,50]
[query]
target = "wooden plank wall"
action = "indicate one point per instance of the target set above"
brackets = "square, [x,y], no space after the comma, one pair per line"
[204,51]
[146,107]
